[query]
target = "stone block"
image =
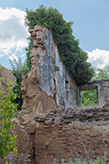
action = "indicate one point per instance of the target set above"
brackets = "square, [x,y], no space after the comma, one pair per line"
[31,126]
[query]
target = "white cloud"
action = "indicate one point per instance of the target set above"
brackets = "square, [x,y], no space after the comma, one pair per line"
[22,55]
[98,58]
[9,13]
[18,45]
[13,33]
[12,57]
[1,55]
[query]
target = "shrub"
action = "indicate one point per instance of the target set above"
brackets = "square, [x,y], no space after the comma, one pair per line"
[7,113]
[18,70]
[85,161]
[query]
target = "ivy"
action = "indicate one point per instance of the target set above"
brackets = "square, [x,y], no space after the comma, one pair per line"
[74,59]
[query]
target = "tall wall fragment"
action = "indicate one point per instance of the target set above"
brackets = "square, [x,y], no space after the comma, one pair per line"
[48,78]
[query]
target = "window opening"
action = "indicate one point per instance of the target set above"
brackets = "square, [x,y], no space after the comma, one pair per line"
[89,97]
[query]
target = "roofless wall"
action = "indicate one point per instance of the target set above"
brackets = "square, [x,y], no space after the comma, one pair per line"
[51,80]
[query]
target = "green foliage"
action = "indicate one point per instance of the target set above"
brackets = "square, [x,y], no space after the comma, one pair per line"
[104,160]
[102,73]
[18,70]
[7,113]
[96,161]
[0,66]
[72,56]
[28,60]
[89,97]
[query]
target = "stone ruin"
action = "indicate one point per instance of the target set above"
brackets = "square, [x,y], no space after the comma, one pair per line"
[102,89]
[50,125]
[52,83]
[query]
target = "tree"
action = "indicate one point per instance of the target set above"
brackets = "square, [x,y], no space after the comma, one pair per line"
[28,49]
[18,70]
[74,59]
[7,113]
[102,73]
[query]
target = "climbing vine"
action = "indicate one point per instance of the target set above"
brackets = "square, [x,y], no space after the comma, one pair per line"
[74,59]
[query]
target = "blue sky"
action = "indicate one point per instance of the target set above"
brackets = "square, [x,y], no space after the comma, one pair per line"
[91,27]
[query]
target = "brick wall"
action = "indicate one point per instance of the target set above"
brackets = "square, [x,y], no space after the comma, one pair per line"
[77,140]
[59,135]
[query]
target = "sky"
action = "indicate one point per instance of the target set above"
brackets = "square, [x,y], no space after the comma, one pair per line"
[90,26]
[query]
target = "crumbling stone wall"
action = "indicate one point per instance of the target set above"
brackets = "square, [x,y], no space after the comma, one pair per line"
[48,78]
[6,74]
[102,88]
[71,133]
[46,127]
[24,145]
[104,92]
[65,133]
[48,85]
[79,140]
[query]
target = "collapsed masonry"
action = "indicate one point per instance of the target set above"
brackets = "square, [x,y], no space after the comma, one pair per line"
[52,127]
[48,92]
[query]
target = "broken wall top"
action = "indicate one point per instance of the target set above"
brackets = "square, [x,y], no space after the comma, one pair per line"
[6,74]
